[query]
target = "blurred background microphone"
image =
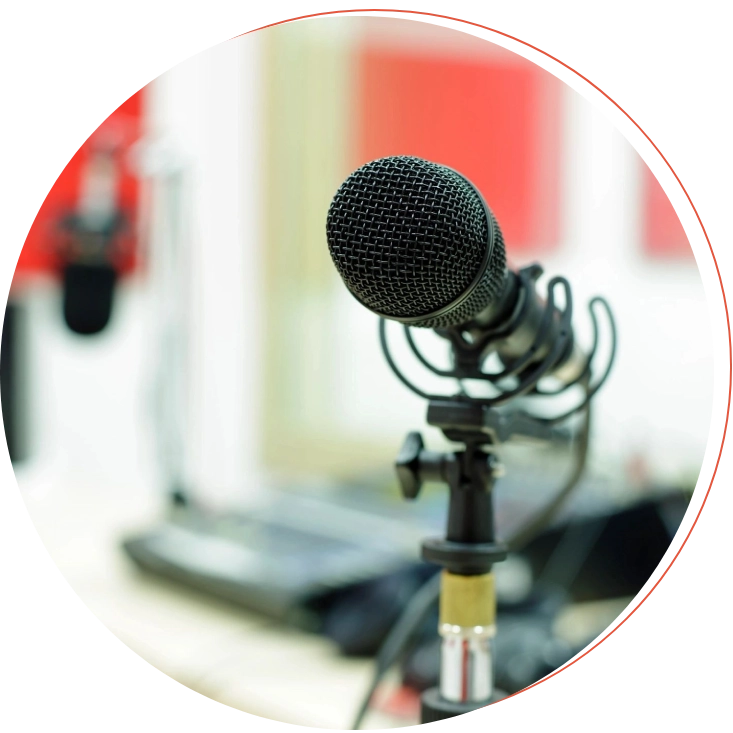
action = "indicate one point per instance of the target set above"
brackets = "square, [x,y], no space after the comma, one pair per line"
[78,274]
[90,238]
[415,242]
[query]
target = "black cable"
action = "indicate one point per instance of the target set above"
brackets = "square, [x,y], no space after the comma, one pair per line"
[525,535]
[571,553]
[423,602]
[392,648]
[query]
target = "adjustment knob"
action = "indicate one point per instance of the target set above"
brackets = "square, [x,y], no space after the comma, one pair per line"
[408,465]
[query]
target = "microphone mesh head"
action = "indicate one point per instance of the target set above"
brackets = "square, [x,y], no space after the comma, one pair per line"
[409,237]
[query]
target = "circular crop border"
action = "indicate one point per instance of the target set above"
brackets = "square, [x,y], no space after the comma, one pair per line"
[691,217]
[675,185]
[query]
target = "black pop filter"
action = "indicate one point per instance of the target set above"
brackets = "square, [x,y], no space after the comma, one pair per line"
[88,272]
[88,290]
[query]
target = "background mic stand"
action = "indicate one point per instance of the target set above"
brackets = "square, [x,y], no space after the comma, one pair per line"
[470,548]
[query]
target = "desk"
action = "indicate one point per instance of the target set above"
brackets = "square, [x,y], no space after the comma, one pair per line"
[215,648]
[212,647]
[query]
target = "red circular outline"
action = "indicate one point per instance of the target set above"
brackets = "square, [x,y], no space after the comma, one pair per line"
[715,261]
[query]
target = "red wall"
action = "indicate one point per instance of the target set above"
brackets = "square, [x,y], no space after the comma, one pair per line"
[124,126]
[663,235]
[444,108]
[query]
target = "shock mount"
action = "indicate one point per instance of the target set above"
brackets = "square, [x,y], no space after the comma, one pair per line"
[470,547]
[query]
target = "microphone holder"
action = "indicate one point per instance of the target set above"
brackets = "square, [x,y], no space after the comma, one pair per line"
[469,355]
[470,547]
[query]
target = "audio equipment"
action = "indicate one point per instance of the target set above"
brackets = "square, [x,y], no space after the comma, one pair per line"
[415,242]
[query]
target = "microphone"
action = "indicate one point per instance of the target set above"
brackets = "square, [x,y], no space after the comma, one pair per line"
[90,237]
[415,242]
[88,275]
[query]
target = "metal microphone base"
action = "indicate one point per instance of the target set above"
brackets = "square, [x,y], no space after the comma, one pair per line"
[434,707]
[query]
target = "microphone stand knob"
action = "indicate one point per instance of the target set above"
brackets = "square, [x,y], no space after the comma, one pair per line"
[407,465]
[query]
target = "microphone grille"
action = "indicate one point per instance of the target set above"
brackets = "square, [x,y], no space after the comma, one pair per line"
[409,238]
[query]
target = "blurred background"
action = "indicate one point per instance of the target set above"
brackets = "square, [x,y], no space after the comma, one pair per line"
[199,415]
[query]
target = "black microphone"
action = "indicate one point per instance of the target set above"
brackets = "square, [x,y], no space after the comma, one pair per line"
[88,275]
[90,237]
[415,242]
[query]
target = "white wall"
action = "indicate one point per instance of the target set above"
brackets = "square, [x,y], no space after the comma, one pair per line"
[88,420]
[207,110]
[92,400]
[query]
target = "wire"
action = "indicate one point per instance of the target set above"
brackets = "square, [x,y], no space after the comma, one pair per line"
[571,553]
[424,601]
[543,518]
[417,610]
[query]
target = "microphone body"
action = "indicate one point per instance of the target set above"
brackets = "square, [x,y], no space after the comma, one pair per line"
[519,293]
[415,242]
[90,237]
[89,275]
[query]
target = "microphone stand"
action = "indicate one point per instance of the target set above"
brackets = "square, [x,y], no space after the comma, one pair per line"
[470,548]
